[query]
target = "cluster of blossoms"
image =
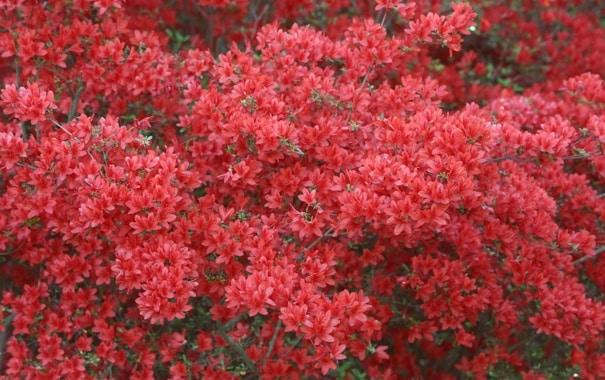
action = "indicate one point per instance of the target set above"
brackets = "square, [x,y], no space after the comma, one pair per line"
[227,189]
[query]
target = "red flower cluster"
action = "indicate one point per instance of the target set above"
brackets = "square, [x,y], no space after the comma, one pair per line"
[301,189]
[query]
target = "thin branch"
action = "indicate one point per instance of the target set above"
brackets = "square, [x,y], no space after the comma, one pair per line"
[597,252]
[529,160]
[222,329]
[17,72]
[500,159]
[73,136]
[73,108]
[63,128]
[17,63]
[384,17]
[273,340]
[257,21]
[292,346]
[326,234]
[26,165]
[24,132]
[527,341]
[233,321]
[4,337]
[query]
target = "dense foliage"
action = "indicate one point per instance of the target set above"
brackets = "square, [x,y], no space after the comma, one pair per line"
[351,189]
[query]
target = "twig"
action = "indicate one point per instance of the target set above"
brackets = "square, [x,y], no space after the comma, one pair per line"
[63,128]
[229,324]
[72,135]
[222,329]
[4,337]
[318,240]
[73,108]
[17,63]
[26,165]
[17,72]
[529,160]
[597,252]
[384,17]
[257,20]
[292,346]
[301,255]
[272,342]
[500,159]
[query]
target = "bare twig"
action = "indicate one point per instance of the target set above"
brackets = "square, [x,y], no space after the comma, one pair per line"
[233,321]
[73,108]
[257,21]
[528,160]
[73,136]
[500,159]
[273,340]
[326,234]
[26,165]
[222,330]
[63,128]
[17,72]
[384,17]
[293,346]
[597,252]
[4,334]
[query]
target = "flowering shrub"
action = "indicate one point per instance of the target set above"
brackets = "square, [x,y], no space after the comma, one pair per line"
[228,189]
